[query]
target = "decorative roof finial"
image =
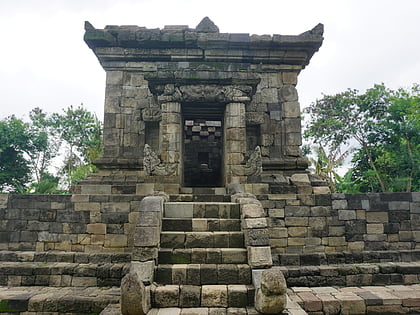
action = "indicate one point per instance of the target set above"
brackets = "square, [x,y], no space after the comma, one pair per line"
[207,26]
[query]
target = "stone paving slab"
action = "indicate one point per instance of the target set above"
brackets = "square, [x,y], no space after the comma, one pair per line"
[391,299]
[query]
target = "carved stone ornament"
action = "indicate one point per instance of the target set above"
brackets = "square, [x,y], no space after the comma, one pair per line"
[253,166]
[153,165]
[204,93]
[152,114]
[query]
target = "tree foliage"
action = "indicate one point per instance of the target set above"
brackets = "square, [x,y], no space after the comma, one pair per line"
[383,123]
[325,162]
[80,130]
[18,142]
[28,149]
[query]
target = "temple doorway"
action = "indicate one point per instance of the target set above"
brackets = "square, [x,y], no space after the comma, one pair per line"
[203,147]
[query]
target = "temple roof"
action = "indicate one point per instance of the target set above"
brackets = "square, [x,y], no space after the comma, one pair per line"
[290,49]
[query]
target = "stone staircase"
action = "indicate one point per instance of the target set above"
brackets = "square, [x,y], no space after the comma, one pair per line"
[203,264]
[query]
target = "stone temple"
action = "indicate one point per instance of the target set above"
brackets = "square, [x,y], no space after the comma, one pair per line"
[202,204]
[195,107]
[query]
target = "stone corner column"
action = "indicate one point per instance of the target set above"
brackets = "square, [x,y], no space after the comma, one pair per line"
[234,143]
[171,139]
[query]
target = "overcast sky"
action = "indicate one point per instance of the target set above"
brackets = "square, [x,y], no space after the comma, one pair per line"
[45,63]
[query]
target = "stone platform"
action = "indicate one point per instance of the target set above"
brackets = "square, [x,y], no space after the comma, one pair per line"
[392,299]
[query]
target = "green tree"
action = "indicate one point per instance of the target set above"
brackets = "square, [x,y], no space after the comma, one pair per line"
[397,140]
[40,125]
[18,142]
[80,131]
[47,184]
[384,123]
[325,162]
[27,149]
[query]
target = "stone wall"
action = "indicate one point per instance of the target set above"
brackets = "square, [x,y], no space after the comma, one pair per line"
[300,224]
[82,223]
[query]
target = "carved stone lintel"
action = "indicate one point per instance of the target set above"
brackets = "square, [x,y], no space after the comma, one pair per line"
[253,166]
[204,93]
[152,114]
[153,165]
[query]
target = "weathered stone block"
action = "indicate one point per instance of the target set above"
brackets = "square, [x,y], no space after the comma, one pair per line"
[288,93]
[375,228]
[345,215]
[143,270]
[237,296]
[167,296]
[297,211]
[115,240]
[252,211]
[321,190]
[135,299]
[152,204]
[255,223]
[146,236]
[399,205]
[148,219]
[96,189]
[96,228]
[297,231]
[289,78]
[376,217]
[256,237]
[296,221]
[189,296]
[259,257]
[339,204]
[214,295]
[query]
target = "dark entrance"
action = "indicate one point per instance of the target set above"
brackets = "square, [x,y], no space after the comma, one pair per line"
[202,153]
[203,147]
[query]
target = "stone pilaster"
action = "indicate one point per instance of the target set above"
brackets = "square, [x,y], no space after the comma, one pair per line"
[291,120]
[235,141]
[171,137]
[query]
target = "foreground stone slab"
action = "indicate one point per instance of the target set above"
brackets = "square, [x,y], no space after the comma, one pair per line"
[134,297]
[61,300]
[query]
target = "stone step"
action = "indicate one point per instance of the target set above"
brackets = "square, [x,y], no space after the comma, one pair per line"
[200,224]
[61,256]
[203,190]
[115,309]
[50,300]
[175,239]
[203,256]
[387,273]
[199,274]
[61,274]
[191,296]
[199,198]
[220,210]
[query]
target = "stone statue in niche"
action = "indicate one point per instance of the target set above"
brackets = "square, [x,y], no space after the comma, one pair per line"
[253,166]
[153,165]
